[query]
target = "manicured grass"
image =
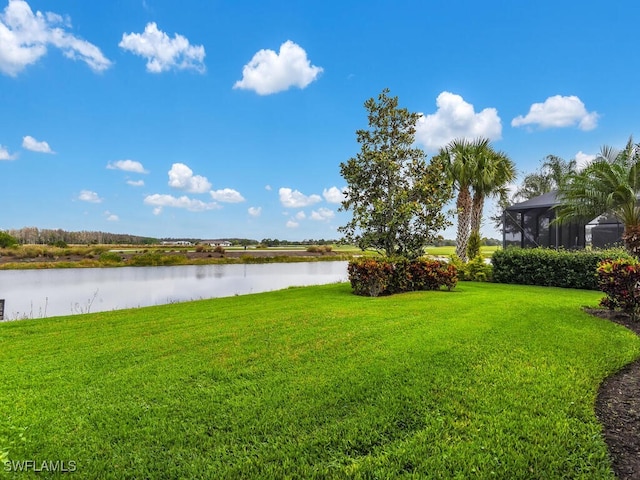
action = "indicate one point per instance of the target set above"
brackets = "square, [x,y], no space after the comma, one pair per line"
[485,251]
[486,381]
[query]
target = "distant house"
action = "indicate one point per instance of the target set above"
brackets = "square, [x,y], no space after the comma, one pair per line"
[177,242]
[216,243]
[530,224]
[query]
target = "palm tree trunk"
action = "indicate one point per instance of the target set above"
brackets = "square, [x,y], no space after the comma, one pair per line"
[631,239]
[476,212]
[463,204]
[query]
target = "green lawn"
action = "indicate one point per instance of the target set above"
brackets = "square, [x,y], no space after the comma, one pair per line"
[485,251]
[486,381]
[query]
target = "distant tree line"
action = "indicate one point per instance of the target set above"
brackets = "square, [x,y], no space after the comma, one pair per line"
[44,236]
[274,242]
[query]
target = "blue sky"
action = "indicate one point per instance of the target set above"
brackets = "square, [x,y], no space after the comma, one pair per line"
[215,119]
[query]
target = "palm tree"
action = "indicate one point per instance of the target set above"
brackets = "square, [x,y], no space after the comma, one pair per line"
[494,171]
[460,165]
[557,169]
[610,184]
[474,166]
[553,173]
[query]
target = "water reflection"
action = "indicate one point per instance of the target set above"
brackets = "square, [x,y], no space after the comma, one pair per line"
[46,293]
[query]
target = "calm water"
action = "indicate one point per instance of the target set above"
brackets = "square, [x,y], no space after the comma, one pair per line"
[47,293]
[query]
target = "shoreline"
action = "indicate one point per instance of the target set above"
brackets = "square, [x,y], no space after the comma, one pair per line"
[151,258]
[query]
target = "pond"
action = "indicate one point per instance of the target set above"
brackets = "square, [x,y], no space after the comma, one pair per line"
[48,293]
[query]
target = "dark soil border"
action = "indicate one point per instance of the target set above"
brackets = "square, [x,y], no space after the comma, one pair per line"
[618,408]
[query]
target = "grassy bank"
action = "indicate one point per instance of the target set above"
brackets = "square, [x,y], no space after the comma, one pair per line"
[485,251]
[101,256]
[105,256]
[488,380]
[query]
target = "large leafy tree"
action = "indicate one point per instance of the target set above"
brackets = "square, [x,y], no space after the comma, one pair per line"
[610,184]
[7,240]
[476,171]
[395,195]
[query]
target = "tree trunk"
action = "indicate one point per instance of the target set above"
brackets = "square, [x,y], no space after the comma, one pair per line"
[464,223]
[476,212]
[631,239]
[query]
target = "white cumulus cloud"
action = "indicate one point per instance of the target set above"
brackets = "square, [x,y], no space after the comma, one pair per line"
[182,177]
[5,155]
[89,196]
[162,52]
[558,112]
[127,166]
[270,72]
[25,38]
[136,183]
[334,194]
[322,214]
[455,118]
[301,215]
[583,159]
[111,217]
[255,211]
[227,195]
[159,201]
[292,224]
[295,199]
[30,143]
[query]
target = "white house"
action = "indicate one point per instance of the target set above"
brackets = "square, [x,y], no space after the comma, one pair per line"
[217,243]
[177,242]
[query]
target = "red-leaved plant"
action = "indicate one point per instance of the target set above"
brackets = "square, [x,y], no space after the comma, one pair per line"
[620,281]
[383,276]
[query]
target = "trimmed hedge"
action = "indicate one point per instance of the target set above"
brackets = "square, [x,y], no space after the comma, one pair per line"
[551,268]
[372,277]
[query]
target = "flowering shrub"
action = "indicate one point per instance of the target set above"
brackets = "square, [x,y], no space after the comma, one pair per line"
[448,276]
[432,274]
[373,277]
[620,281]
[369,277]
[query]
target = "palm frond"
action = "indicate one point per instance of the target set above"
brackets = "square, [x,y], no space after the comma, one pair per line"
[611,183]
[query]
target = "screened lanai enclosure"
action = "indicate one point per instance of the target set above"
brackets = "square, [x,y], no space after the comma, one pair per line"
[530,224]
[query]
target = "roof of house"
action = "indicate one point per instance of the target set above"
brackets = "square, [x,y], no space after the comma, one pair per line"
[546,200]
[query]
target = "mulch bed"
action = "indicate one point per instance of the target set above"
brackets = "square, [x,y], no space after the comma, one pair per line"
[618,408]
